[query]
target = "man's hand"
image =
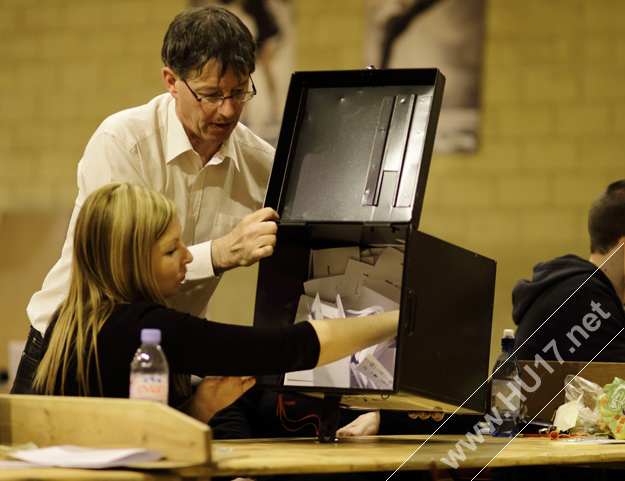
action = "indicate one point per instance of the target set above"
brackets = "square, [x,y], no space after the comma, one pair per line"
[215,393]
[250,241]
[366,424]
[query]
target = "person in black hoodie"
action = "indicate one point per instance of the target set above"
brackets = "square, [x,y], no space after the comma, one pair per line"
[572,309]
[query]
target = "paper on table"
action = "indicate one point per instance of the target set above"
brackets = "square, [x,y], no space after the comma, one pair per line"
[69,456]
[587,440]
[4,464]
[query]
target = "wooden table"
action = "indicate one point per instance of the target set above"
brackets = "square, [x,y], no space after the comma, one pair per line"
[265,457]
[388,453]
[58,474]
[190,453]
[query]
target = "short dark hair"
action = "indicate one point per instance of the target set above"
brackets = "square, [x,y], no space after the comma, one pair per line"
[200,34]
[606,218]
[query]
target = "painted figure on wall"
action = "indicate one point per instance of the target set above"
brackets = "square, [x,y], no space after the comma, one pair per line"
[445,34]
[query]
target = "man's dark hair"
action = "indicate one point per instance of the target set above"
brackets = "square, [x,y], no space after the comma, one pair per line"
[606,218]
[199,34]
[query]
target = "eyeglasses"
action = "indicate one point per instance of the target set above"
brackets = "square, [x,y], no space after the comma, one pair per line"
[217,100]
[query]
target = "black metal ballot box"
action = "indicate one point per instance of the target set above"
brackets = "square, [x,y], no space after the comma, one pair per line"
[348,182]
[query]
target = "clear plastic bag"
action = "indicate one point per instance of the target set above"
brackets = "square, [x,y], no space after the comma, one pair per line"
[585,393]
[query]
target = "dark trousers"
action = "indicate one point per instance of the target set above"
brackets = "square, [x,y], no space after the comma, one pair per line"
[31,357]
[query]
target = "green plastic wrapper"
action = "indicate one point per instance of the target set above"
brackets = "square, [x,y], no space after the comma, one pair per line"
[612,407]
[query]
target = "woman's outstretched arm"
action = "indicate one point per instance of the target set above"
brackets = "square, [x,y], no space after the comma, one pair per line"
[339,338]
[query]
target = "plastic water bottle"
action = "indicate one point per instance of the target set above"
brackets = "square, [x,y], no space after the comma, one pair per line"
[503,388]
[149,372]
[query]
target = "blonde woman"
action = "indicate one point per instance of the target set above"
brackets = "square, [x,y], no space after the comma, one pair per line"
[128,259]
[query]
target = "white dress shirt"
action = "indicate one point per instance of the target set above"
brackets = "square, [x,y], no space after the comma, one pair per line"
[148,146]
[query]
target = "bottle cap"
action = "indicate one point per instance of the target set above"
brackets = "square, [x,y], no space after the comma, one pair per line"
[508,333]
[152,336]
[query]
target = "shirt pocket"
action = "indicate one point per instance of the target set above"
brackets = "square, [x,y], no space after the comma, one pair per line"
[224,224]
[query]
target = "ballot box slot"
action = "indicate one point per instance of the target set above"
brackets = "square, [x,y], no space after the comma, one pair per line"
[372,194]
[397,150]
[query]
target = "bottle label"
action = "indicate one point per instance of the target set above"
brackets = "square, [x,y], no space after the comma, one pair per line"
[153,387]
[501,389]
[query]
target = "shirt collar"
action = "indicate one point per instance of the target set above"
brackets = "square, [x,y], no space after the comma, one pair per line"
[226,151]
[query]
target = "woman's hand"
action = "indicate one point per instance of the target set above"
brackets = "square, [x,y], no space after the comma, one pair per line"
[215,393]
[366,424]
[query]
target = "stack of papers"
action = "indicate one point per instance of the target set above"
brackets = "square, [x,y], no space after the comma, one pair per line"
[70,456]
[352,282]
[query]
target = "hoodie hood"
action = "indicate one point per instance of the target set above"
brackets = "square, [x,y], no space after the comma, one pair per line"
[545,275]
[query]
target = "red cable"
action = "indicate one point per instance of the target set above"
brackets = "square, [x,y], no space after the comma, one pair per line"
[281,413]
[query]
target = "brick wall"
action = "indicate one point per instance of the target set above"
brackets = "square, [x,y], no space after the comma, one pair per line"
[68,65]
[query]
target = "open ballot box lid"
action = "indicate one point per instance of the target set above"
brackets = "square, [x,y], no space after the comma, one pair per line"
[348,181]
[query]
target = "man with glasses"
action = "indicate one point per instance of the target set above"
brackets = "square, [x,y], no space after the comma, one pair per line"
[189,145]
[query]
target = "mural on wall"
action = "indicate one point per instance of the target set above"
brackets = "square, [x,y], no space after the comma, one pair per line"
[272,25]
[445,34]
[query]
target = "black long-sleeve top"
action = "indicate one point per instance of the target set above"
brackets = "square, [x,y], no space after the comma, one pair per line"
[194,346]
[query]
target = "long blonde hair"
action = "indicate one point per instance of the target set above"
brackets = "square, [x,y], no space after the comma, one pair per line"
[112,264]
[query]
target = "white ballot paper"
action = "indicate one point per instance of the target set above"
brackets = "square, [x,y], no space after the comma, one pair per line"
[349,287]
[332,262]
[69,456]
[7,464]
